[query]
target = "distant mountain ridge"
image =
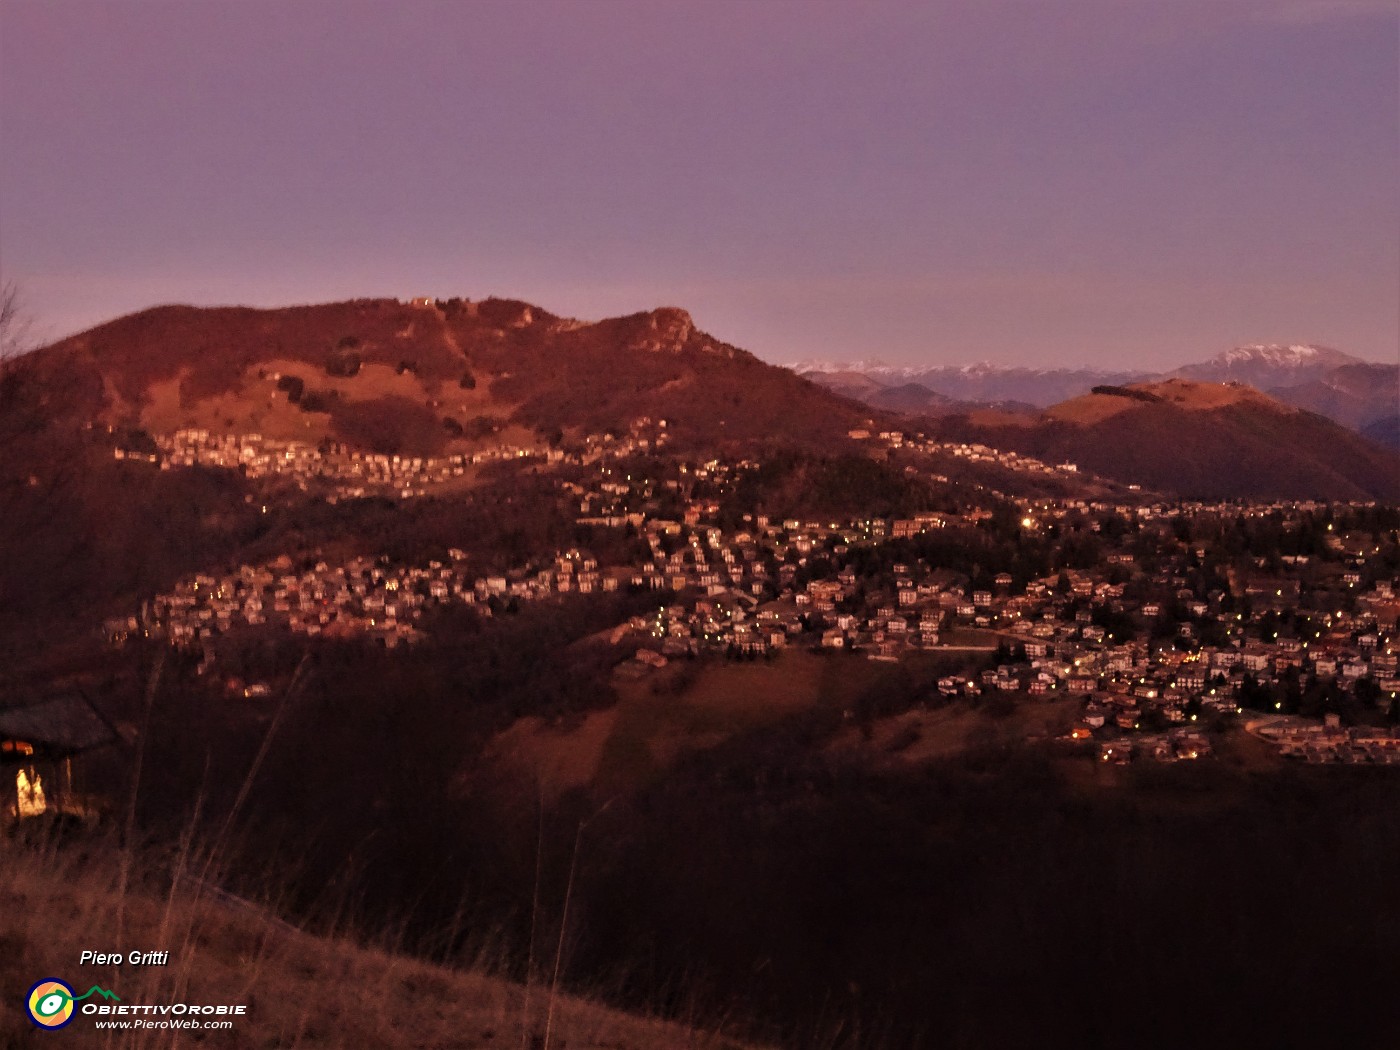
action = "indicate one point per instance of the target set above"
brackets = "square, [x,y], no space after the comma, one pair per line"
[982,382]
[1192,437]
[1345,388]
[428,377]
[1267,365]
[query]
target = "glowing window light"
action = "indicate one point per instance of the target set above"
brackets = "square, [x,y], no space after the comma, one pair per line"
[31,794]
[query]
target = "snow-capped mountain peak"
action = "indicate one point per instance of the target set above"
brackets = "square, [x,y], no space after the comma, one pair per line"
[1280,356]
[1277,368]
[873,364]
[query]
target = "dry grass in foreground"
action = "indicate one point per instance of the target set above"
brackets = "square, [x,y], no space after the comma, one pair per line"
[301,990]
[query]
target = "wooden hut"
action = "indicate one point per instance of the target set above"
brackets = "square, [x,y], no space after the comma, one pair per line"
[38,741]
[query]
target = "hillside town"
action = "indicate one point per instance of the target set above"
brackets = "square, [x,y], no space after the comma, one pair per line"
[973,452]
[350,473]
[1163,631]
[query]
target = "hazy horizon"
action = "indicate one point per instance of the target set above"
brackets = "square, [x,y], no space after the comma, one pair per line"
[1105,184]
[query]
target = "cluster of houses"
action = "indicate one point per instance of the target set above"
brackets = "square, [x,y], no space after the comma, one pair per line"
[349,473]
[618,496]
[644,435]
[745,596]
[970,451]
[362,597]
[1146,648]
[1143,684]
[1330,741]
[352,473]
[1179,744]
[748,591]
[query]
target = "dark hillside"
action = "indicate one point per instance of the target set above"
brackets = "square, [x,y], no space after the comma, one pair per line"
[1209,441]
[353,365]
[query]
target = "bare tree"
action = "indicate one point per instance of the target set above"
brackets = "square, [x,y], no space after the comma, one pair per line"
[14,340]
[14,325]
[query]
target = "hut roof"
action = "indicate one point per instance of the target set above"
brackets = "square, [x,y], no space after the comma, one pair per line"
[57,726]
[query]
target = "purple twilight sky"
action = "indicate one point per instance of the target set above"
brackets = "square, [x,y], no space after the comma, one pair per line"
[1107,182]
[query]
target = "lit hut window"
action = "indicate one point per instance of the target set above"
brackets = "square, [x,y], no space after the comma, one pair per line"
[31,794]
